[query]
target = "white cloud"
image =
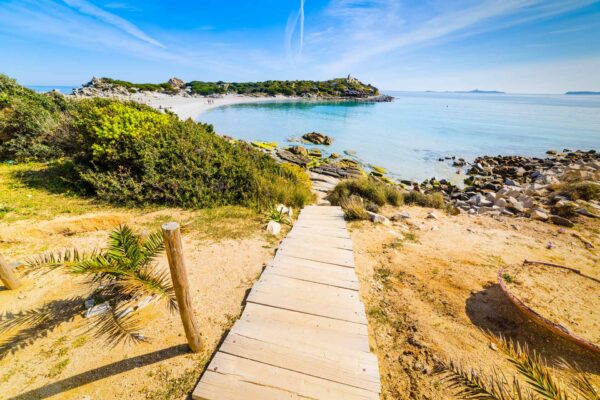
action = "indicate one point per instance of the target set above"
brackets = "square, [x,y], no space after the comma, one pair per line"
[295,23]
[85,7]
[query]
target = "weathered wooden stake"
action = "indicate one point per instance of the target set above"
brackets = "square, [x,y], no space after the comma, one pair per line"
[7,276]
[172,237]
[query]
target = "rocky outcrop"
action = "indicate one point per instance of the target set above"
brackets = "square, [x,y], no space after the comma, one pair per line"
[176,83]
[317,138]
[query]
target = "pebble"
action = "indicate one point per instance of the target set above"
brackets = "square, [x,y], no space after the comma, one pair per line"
[493,346]
[431,215]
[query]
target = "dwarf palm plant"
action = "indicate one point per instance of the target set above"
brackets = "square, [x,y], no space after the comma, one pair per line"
[123,272]
[469,383]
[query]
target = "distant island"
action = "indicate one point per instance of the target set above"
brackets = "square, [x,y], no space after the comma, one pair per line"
[476,91]
[584,93]
[350,88]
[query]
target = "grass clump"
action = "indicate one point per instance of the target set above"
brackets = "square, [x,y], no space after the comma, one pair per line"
[583,190]
[369,189]
[354,208]
[58,368]
[433,200]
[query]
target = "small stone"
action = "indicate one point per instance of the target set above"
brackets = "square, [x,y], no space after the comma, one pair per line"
[493,346]
[400,216]
[89,303]
[550,246]
[273,228]
[431,215]
[378,218]
[538,215]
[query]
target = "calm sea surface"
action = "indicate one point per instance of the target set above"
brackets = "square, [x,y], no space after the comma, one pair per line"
[44,89]
[408,135]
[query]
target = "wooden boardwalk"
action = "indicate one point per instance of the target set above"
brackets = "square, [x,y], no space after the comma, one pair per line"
[303,332]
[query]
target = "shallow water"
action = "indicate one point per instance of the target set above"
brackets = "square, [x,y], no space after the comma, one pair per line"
[408,135]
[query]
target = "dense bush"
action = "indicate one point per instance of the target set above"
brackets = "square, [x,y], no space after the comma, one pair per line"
[30,123]
[133,154]
[433,200]
[584,190]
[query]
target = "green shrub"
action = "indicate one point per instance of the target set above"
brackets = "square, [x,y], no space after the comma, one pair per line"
[28,122]
[155,158]
[433,200]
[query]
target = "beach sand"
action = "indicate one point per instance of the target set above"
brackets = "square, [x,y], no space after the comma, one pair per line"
[193,107]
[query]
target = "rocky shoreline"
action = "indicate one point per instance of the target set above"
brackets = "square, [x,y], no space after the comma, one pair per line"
[557,189]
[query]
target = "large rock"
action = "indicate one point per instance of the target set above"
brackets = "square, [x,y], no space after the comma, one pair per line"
[176,82]
[317,138]
[298,150]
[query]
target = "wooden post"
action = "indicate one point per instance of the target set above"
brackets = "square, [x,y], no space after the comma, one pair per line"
[172,237]
[7,276]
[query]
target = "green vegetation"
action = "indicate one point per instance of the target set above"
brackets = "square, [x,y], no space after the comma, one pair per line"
[340,87]
[128,153]
[433,200]
[369,189]
[354,208]
[58,368]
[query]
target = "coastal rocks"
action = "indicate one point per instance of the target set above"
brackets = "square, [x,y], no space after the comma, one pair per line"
[298,150]
[290,157]
[401,216]
[315,153]
[561,221]
[318,138]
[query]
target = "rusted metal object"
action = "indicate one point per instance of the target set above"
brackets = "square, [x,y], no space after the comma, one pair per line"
[541,320]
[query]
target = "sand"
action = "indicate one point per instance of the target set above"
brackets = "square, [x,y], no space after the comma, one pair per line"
[193,107]
[559,295]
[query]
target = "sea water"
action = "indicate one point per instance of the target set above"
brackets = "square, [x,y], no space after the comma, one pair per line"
[44,89]
[410,134]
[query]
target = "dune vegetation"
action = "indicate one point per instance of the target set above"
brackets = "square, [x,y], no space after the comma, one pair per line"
[128,153]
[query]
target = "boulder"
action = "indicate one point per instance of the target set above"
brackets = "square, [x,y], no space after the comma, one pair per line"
[273,228]
[558,220]
[298,150]
[317,138]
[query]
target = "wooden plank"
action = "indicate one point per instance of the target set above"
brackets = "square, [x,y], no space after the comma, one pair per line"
[233,378]
[341,243]
[294,329]
[317,245]
[338,367]
[341,257]
[308,297]
[325,274]
[332,232]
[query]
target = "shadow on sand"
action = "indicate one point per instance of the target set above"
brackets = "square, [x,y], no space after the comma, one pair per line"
[102,372]
[492,311]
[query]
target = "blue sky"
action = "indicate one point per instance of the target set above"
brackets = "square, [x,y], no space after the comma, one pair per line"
[522,46]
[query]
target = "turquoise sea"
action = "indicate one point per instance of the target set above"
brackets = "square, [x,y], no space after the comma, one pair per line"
[44,89]
[408,135]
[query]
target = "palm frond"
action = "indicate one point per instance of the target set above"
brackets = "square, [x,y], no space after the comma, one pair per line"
[150,280]
[581,383]
[60,259]
[532,367]
[123,245]
[466,382]
[116,326]
[151,247]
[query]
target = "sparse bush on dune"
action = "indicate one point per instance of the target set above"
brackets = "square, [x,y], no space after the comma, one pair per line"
[582,190]
[354,208]
[433,200]
[380,193]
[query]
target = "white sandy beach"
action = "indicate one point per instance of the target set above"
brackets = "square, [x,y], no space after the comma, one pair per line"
[193,107]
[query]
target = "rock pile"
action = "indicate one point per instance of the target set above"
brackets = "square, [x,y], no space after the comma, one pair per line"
[526,186]
[318,138]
